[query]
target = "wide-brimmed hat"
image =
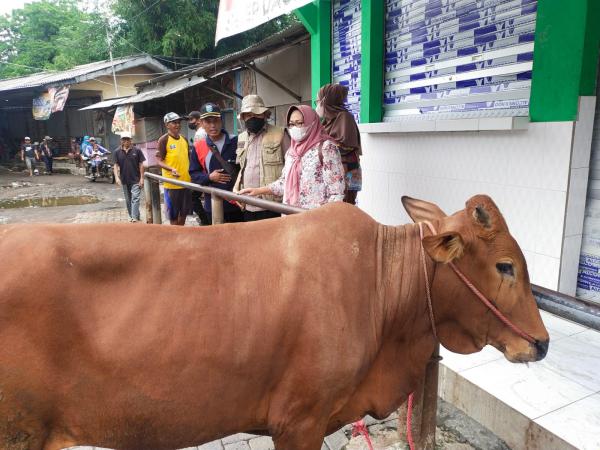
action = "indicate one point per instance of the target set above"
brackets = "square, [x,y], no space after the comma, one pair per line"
[47,138]
[252,104]
[210,110]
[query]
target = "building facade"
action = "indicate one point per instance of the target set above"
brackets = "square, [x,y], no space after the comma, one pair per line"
[461,97]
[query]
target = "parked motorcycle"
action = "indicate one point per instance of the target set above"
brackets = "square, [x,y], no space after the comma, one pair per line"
[104,169]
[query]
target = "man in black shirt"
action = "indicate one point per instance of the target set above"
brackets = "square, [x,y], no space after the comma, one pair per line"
[46,154]
[129,173]
[28,155]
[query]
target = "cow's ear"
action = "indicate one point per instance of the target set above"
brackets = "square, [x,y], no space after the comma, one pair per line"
[420,210]
[444,247]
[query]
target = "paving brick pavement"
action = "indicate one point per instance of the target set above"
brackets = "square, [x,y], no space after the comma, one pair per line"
[336,441]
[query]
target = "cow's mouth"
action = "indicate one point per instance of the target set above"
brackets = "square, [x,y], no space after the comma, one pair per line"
[535,352]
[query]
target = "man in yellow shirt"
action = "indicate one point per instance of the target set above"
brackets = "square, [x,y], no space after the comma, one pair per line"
[173,158]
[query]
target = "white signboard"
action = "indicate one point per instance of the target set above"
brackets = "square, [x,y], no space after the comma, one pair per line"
[236,16]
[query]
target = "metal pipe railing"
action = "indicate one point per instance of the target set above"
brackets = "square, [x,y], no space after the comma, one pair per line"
[567,307]
[217,195]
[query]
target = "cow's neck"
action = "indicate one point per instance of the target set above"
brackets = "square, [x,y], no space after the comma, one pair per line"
[407,339]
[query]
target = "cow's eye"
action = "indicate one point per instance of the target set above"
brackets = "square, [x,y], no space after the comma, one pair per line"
[505,269]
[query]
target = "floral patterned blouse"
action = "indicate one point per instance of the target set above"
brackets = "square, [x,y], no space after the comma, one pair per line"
[320,183]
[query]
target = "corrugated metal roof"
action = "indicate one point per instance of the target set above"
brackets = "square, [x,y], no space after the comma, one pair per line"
[292,34]
[80,73]
[153,92]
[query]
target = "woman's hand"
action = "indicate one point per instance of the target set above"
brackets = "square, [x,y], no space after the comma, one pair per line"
[254,192]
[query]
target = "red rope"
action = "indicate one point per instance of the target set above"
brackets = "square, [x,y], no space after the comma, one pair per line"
[360,428]
[409,409]
[477,293]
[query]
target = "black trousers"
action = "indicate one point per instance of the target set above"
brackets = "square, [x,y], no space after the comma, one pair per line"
[252,216]
[198,208]
[230,217]
[48,162]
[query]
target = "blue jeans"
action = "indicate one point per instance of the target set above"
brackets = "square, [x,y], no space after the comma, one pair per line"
[132,199]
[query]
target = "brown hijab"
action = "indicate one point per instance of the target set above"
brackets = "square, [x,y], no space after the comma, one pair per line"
[338,122]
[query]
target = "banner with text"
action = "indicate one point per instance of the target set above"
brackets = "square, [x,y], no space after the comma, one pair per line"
[236,16]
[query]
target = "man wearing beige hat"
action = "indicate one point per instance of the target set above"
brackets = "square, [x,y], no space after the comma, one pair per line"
[260,153]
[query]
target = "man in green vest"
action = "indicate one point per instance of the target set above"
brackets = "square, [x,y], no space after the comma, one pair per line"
[260,153]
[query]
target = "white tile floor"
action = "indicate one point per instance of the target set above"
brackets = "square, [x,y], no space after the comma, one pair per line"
[560,393]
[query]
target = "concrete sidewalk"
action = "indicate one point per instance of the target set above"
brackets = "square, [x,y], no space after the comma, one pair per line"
[553,404]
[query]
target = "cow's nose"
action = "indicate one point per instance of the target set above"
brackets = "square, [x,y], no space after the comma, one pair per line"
[542,349]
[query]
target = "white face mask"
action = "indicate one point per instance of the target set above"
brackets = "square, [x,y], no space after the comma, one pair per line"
[298,133]
[320,110]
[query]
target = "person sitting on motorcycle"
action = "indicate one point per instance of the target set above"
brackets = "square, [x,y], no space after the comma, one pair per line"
[94,153]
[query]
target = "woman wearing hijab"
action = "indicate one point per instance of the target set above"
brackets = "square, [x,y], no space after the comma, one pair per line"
[313,174]
[339,123]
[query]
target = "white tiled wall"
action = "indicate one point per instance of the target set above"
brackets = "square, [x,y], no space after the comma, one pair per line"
[526,172]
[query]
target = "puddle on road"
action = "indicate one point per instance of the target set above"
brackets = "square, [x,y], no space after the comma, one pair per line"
[45,202]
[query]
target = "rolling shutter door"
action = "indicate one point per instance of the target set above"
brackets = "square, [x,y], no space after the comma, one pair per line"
[458,58]
[346,50]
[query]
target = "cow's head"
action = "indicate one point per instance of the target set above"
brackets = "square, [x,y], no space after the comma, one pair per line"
[477,240]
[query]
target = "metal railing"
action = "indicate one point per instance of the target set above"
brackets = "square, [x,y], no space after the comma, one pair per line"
[152,196]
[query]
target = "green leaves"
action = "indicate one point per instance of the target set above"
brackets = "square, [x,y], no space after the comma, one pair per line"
[57,35]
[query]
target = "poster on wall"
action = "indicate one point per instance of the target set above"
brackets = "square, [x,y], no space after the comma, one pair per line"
[42,106]
[123,120]
[59,97]
[236,16]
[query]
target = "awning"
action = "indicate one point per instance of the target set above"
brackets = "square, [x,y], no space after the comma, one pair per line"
[160,90]
[104,104]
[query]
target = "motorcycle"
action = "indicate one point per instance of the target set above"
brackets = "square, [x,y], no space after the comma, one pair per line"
[104,169]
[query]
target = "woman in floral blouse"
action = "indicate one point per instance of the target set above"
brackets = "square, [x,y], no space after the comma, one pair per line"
[313,173]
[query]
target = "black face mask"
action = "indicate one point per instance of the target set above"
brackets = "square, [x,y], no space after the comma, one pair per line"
[255,124]
[192,126]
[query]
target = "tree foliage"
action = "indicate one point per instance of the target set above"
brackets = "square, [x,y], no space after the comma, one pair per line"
[58,34]
[184,28]
[50,35]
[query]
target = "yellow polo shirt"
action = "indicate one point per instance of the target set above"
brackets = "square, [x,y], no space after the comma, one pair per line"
[175,154]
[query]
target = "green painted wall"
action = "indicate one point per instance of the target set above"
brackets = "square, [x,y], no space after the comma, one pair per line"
[372,63]
[316,17]
[565,58]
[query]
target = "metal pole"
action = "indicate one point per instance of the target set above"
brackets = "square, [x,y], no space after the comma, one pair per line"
[216,204]
[148,199]
[424,415]
[111,62]
[155,196]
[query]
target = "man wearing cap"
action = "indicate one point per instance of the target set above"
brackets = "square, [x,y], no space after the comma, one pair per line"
[260,153]
[129,173]
[194,123]
[213,163]
[28,155]
[174,160]
[46,154]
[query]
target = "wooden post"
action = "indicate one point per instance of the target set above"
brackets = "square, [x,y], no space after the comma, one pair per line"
[148,199]
[156,210]
[424,417]
[216,204]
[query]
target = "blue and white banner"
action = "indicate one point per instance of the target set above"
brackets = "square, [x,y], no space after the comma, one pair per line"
[440,54]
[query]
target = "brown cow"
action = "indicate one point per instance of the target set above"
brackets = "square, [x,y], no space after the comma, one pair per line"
[151,337]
